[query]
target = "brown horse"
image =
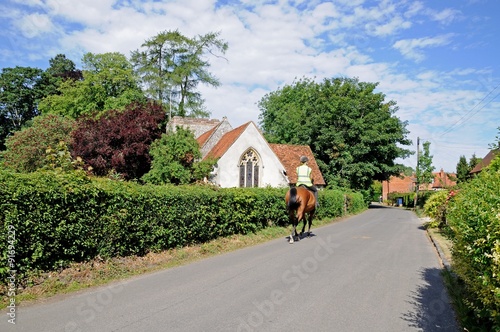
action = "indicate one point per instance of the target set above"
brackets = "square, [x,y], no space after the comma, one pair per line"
[299,201]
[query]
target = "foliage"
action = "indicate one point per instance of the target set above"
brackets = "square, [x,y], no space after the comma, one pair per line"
[464,168]
[61,217]
[59,159]
[474,217]
[425,168]
[60,69]
[376,191]
[437,204]
[108,83]
[18,99]
[175,157]
[496,145]
[26,149]
[351,129]
[119,140]
[172,66]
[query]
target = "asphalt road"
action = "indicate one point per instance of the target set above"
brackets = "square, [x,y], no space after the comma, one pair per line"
[376,271]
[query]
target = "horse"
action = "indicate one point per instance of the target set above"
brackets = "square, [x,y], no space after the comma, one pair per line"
[299,202]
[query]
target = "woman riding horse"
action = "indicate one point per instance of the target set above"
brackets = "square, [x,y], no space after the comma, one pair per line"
[302,200]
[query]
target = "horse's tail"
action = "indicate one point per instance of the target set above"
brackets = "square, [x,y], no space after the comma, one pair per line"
[292,200]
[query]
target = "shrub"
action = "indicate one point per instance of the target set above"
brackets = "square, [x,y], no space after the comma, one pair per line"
[474,217]
[435,206]
[26,148]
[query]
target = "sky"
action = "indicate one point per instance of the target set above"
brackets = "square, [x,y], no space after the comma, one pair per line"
[438,60]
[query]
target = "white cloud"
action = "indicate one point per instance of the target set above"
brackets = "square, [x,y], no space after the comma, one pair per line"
[446,16]
[35,24]
[413,48]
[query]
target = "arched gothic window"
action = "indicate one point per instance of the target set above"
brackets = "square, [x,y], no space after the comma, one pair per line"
[249,169]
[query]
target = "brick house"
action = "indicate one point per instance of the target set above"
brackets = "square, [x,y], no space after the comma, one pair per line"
[406,184]
[244,157]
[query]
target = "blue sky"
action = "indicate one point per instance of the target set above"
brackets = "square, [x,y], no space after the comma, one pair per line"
[438,60]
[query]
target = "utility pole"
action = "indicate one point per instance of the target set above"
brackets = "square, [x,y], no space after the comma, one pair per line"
[417,174]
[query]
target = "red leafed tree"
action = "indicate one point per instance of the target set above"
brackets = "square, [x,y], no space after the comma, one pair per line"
[120,140]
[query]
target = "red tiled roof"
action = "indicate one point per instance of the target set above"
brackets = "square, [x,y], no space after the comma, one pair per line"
[226,141]
[289,156]
[442,180]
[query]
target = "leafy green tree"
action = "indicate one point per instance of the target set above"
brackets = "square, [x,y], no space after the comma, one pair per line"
[175,157]
[425,168]
[109,83]
[26,148]
[18,99]
[352,131]
[172,66]
[463,170]
[473,162]
[60,69]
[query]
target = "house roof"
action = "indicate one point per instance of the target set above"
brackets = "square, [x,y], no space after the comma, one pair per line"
[485,161]
[203,138]
[289,156]
[226,141]
[443,180]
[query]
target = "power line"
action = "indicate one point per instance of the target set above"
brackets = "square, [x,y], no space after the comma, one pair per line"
[472,109]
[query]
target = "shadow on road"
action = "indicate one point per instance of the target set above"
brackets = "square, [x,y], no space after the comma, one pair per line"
[377,206]
[432,308]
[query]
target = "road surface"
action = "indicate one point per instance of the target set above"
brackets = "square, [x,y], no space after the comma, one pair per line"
[376,271]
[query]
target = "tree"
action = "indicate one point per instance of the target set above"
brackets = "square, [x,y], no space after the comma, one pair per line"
[119,141]
[26,148]
[473,162]
[60,69]
[175,159]
[352,131]
[172,66]
[18,99]
[108,84]
[425,168]
[463,170]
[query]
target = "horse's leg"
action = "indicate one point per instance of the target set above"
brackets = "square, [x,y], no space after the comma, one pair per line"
[300,217]
[292,219]
[304,226]
[311,215]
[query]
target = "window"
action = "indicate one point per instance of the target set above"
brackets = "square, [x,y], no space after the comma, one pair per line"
[249,169]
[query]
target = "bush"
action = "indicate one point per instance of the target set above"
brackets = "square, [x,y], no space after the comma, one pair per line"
[26,148]
[436,205]
[474,217]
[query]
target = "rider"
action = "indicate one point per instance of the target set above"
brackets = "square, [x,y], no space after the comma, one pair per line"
[304,177]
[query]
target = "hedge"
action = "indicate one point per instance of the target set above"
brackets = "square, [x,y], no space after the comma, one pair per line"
[60,218]
[474,216]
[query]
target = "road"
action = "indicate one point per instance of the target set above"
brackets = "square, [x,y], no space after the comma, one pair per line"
[376,271]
